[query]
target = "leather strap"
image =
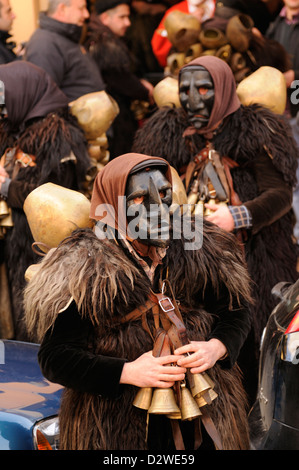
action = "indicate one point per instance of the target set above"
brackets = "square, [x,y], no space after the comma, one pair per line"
[210,427]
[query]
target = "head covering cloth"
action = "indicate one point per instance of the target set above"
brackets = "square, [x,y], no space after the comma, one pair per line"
[29,92]
[111,183]
[226,100]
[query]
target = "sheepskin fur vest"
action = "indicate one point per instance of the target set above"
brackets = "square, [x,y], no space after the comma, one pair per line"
[247,134]
[106,284]
[49,140]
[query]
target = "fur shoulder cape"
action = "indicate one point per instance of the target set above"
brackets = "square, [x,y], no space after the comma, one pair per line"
[103,281]
[243,137]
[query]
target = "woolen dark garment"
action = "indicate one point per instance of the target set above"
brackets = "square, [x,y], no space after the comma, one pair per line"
[80,341]
[288,36]
[63,355]
[6,48]
[115,64]
[55,47]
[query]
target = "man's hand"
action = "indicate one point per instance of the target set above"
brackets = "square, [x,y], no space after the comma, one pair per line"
[221,216]
[150,371]
[289,77]
[202,354]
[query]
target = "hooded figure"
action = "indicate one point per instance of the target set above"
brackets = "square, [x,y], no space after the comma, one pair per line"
[254,156]
[104,337]
[40,142]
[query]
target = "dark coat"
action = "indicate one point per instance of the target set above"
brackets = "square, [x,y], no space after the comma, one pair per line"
[263,146]
[49,139]
[115,63]
[55,47]
[288,37]
[85,346]
[6,48]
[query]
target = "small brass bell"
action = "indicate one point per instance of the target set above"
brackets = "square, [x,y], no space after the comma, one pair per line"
[210,211]
[143,398]
[4,210]
[206,398]
[189,407]
[163,402]
[201,385]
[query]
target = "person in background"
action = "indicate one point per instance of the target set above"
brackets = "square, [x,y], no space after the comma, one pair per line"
[103,336]
[255,157]
[105,43]
[55,47]
[285,30]
[7,16]
[145,17]
[40,142]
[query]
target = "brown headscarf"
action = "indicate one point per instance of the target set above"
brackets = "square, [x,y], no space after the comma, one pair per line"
[111,183]
[29,92]
[226,99]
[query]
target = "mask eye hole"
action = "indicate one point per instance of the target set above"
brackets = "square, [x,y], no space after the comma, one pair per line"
[138,200]
[203,90]
[162,194]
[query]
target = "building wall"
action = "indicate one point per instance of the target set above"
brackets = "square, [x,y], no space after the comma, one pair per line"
[26,21]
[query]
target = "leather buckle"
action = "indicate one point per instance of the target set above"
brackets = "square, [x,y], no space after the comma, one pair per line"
[165,309]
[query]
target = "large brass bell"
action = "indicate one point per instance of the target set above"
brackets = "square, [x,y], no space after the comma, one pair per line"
[189,408]
[95,113]
[239,31]
[266,86]
[212,38]
[143,398]
[54,212]
[182,29]
[163,402]
[166,93]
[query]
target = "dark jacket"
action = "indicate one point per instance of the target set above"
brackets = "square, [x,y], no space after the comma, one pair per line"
[288,37]
[6,48]
[116,64]
[55,47]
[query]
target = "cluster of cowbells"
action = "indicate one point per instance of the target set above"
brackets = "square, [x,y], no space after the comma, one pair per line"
[186,407]
[190,40]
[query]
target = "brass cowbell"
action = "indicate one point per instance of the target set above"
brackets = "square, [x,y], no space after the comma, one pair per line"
[143,398]
[189,407]
[201,385]
[4,210]
[163,402]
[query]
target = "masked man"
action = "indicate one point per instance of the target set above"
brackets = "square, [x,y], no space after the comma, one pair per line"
[241,163]
[108,324]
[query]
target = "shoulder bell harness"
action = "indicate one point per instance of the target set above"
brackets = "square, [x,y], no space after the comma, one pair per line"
[187,400]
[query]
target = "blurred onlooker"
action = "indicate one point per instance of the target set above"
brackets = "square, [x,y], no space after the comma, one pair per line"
[40,142]
[7,47]
[105,42]
[145,17]
[55,47]
[285,30]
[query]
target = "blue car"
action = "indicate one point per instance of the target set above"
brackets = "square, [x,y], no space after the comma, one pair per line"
[29,403]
